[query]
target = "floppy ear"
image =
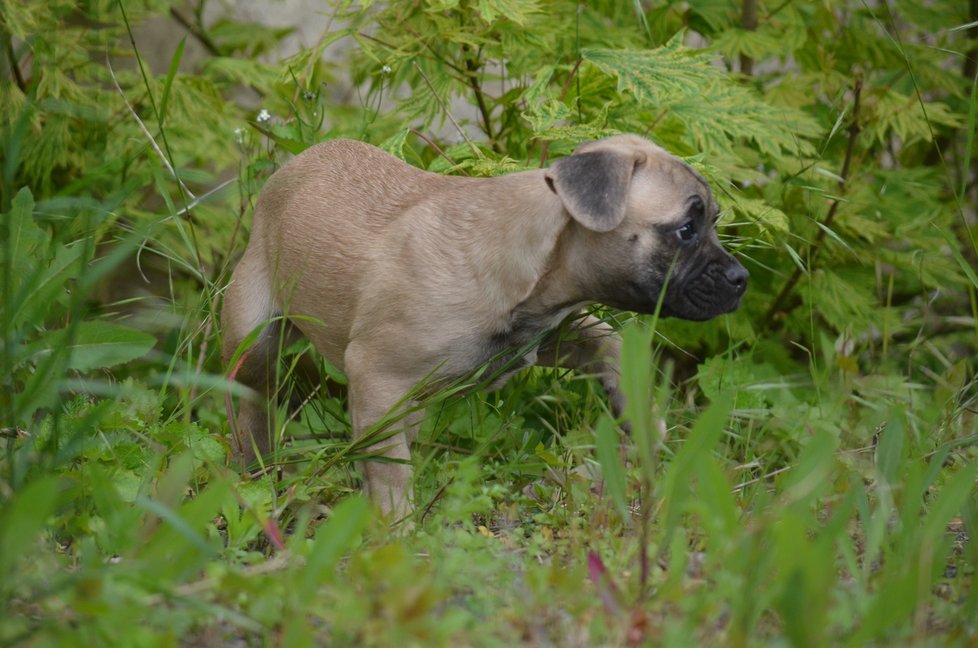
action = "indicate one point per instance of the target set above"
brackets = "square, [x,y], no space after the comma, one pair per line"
[593,186]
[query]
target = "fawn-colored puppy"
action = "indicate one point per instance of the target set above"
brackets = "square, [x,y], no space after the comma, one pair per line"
[398,275]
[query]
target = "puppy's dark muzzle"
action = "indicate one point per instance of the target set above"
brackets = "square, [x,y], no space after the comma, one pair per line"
[716,289]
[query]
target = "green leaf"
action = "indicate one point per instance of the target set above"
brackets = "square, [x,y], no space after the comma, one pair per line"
[890,451]
[905,116]
[21,519]
[228,70]
[548,117]
[517,11]
[48,286]
[843,302]
[716,499]
[636,378]
[290,144]
[546,113]
[168,82]
[25,235]
[395,143]
[699,444]
[339,533]
[768,217]
[94,344]
[810,472]
[720,374]
[969,142]
[766,40]
[721,113]
[946,504]
[656,75]
[612,469]
[181,527]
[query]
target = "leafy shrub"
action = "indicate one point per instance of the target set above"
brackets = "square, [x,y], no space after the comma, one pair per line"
[801,471]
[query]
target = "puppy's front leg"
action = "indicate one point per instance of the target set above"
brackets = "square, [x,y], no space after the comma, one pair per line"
[588,345]
[374,397]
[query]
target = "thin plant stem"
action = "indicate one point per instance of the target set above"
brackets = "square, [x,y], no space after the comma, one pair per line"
[779,304]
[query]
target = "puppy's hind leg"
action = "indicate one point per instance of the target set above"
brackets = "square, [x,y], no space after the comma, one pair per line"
[247,306]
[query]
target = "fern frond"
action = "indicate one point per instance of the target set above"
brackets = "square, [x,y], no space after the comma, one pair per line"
[724,113]
[659,74]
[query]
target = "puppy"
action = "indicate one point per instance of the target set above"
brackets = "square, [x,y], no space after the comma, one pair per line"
[399,276]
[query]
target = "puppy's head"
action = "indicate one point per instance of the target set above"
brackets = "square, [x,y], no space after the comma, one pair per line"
[647,222]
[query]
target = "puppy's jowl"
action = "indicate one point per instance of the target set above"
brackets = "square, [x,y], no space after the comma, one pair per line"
[398,275]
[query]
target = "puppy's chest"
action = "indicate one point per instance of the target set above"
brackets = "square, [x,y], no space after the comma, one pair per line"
[514,348]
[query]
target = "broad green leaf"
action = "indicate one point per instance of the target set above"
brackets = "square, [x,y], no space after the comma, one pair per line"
[202,443]
[47,286]
[25,236]
[288,143]
[93,345]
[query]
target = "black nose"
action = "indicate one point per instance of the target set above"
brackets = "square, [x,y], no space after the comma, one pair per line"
[736,275]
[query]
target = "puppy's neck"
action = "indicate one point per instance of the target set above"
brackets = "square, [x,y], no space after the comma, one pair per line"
[514,223]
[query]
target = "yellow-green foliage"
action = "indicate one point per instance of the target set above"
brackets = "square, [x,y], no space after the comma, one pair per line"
[801,472]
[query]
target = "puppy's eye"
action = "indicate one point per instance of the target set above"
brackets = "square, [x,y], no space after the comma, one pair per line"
[687,232]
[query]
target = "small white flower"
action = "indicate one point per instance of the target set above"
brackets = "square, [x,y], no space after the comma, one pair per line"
[386,69]
[239,135]
[263,116]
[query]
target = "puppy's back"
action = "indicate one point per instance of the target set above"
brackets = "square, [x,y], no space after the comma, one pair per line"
[317,228]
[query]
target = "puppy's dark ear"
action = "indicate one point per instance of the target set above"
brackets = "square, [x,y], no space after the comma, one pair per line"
[594,186]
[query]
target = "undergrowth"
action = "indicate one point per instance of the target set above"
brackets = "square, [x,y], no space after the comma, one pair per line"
[801,472]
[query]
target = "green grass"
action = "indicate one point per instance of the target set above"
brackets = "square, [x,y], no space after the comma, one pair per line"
[712,531]
[800,473]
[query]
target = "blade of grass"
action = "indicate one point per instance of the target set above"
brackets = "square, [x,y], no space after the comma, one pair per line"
[969,138]
[702,438]
[612,469]
[170,75]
